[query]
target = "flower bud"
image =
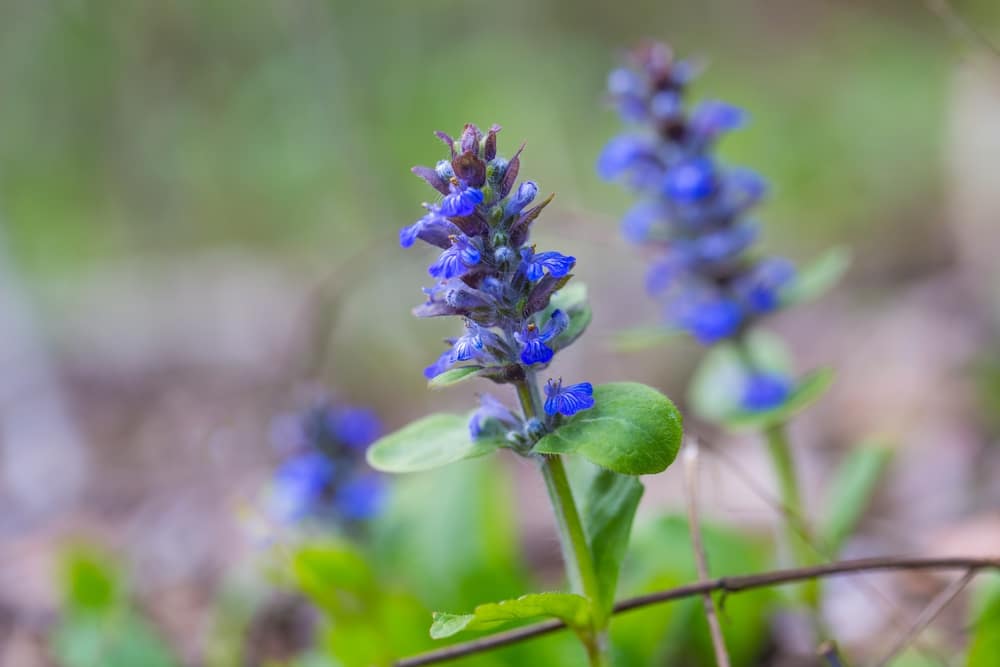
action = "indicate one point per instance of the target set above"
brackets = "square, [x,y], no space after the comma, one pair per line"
[525,195]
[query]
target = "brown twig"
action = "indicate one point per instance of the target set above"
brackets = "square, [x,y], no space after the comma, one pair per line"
[697,544]
[728,585]
[927,616]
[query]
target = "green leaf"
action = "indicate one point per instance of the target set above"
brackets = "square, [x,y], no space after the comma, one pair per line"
[809,389]
[851,491]
[572,300]
[125,640]
[641,338]
[816,278]
[428,443]
[661,556]
[333,575]
[985,644]
[89,581]
[453,376]
[573,609]
[608,510]
[632,429]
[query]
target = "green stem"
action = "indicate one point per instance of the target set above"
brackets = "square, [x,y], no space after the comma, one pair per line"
[795,522]
[576,551]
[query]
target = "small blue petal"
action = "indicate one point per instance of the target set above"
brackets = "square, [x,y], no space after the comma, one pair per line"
[557,323]
[525,194]
[355,427]
[568,400]
[623,81]
[619,155]
[640,219]
[491,408]
[298,485]
[534,265]
[760,289]
[408,235]
[764,391]
[361,498]
[469,345]
[711,320]
[440,366]
[665,105]
[461,201]
[535,351]
[726,243]
[456,260]
[711,118]
[690,181]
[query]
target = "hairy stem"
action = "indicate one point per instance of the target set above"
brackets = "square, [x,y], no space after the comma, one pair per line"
[576,552]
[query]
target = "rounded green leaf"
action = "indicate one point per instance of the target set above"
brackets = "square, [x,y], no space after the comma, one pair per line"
[632,429]
[428,443]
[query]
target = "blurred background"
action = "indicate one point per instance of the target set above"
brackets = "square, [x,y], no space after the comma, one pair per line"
[199,204]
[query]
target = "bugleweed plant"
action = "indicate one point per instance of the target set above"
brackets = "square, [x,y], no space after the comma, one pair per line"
[694,214]
[323,475]
[518,311]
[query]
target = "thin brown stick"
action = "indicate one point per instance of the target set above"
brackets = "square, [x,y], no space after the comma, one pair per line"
[697,544]
[927,616]
[728,585]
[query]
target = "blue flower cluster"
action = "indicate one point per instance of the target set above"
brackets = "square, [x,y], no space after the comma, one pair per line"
[693,210]
[488,274]
[323,473]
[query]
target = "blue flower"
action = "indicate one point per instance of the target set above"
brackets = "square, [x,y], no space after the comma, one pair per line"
[299,484]
[355,427]
[621,154]
[491,410]
[456,260]
[442,364]
[360,498]
[525,194]
[488,271]
[461,201]
[666,105]
[533,342]
[712,319]
[760,289]
[433,228]
[569,400]
[534,264]
[690,181]
[468,345]
[639,221]
[711,118]
[726,243]
[764,391]
[692,210]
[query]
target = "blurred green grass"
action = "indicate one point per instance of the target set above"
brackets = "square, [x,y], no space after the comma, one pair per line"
[167,126]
